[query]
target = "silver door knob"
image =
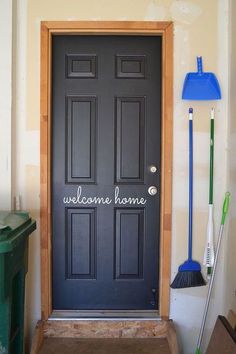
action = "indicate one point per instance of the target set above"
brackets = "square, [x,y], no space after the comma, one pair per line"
[152,190]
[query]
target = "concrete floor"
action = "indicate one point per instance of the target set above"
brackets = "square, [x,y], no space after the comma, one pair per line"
[105,346]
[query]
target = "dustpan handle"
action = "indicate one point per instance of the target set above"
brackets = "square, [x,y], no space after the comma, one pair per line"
[199,65]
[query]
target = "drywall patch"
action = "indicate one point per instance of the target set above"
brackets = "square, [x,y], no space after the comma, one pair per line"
[31,190]
[201,171]
[232,144]
[180,224]
[31,147]
[181,62]
[232,176]
[185,12]
[155,12]
[202,114]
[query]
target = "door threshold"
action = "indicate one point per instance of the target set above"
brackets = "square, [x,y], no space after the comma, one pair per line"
[105,315]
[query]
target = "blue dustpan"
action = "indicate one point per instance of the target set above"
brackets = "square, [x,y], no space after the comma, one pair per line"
[200,85]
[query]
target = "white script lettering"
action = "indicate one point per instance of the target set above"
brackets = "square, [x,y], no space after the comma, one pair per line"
[129,200]
[84,200]
[80,199]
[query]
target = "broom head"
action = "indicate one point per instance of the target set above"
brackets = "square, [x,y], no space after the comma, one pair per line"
[188,276]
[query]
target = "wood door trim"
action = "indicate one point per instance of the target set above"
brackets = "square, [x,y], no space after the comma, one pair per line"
[49,28]
[112,27]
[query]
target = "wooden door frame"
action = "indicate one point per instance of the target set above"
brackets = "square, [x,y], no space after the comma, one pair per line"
[48,29]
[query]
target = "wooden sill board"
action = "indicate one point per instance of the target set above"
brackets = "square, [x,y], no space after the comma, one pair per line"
[232,319]
[102,336]
[223,339]
[105,346]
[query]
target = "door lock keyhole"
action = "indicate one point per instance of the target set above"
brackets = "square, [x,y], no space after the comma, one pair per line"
[152,190]
[153,302]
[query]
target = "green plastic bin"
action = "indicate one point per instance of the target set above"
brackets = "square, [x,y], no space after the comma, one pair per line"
[15,227]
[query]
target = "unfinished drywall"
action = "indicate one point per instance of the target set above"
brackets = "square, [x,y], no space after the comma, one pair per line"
[5,103]
[230,278]
[200,29]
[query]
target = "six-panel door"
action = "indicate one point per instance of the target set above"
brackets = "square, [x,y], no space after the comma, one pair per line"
[106,140]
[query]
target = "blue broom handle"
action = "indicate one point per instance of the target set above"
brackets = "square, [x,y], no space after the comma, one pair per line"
[190,220]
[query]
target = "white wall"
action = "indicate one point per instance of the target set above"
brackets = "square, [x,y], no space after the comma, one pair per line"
[201,27]
[230,249]
[26,152]
[5,103]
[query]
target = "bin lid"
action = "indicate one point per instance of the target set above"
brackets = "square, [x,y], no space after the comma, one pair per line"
[10,222]
[15,227]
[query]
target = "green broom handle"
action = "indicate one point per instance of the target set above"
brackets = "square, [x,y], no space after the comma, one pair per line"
[211,157]
[225,209]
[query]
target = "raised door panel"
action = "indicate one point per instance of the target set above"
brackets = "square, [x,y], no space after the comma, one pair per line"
[129,238]
[81,243]
[81,66]
[130,66]
[130,139]
[81,139]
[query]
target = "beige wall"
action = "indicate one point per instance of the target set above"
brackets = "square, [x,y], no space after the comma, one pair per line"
[200,29]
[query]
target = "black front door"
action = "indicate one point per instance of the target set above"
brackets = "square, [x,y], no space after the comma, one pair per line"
[106,142]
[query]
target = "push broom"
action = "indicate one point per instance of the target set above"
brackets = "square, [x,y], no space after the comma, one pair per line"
[189,273]
[224,213]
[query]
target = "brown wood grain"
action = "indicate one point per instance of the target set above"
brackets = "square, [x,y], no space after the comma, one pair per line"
[166,175]
[232,319]
[172,338]
[45,220]
[137,330]
[223,338]
[107,26]
[106,329]
[49,28]
[38,337]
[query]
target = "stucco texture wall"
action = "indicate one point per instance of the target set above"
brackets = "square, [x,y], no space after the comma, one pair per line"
[200,28]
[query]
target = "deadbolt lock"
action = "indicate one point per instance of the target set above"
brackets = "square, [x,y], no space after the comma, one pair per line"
[153,169]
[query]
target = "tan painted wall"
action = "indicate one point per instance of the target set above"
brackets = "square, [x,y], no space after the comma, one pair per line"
[200,29]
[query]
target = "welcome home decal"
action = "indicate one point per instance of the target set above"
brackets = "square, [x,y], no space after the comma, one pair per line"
[80,199]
